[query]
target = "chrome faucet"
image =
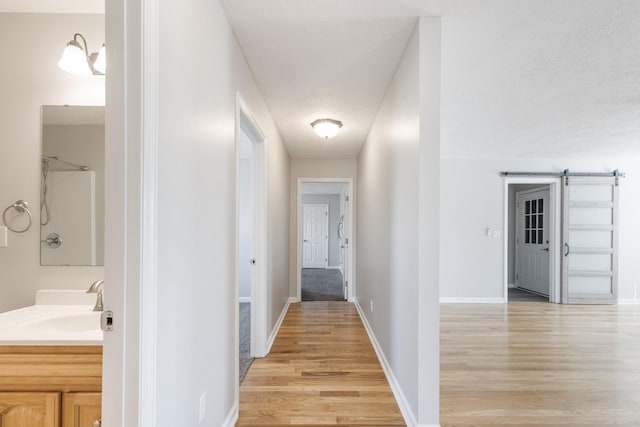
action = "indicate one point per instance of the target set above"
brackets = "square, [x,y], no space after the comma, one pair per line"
[97,287]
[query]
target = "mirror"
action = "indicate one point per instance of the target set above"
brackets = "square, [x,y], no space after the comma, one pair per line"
[72,185]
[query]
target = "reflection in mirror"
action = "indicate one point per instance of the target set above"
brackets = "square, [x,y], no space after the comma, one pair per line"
[72,186]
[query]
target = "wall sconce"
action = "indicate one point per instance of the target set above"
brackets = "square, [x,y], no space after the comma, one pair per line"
[76,58]
[326,128]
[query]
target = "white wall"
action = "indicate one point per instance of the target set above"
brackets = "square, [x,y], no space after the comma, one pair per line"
[31,46]
[196,300]
[397,225]
[313,168]
[334,204]
[472,264]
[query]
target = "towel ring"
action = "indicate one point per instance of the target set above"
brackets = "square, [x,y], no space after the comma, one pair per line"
[22,207]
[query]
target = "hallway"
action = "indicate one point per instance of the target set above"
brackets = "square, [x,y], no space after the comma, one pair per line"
[322,370]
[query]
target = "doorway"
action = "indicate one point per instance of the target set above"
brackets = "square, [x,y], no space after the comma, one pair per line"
[323,240]
[532,240]
[250,241]
[531,270]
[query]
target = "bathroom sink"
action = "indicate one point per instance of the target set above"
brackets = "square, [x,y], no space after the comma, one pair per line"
[71,322]
[43,324]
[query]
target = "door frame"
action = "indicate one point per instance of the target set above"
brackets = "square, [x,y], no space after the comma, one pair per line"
[349,219]
[131,159]
[326,246]
[245,121]
[555,233]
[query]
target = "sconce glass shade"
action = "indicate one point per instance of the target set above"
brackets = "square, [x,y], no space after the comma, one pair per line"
[326,128]
[74,60]
[101,61]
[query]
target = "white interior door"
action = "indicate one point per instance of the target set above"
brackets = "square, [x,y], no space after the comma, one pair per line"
[532,241]
[315,225]
[589,222]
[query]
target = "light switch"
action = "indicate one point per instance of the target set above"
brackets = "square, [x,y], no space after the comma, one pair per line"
[488,231]
[3,237]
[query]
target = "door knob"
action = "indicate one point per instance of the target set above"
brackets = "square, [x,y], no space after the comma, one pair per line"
[97,423]
[252,261]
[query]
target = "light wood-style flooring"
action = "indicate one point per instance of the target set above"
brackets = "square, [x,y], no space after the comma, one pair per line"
[539,364]
[322,370]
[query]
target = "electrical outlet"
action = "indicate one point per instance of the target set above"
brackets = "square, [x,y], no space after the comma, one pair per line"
[372,306]
[203,407]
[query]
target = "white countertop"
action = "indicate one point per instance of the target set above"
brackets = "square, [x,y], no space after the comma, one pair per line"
[51,323]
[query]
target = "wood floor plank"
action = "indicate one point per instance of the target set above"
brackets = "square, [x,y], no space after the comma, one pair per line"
[322,370]
[539,364]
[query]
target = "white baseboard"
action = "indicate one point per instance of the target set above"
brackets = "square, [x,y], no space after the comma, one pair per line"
[244,299]
[274,333]
[625,301]
[232,417]
[456,300]
[407,414]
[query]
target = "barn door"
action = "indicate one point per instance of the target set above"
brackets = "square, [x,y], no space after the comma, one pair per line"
[590,240]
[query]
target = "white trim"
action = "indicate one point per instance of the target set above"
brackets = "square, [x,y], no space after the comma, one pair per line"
[403,404]
[276,328]
[463,300]
[349,252]
[232,416]
[244,299]
[555,228]
[149,218]
[626,301]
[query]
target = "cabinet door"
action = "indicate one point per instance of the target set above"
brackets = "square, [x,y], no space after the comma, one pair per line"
[29,409]
[81,409]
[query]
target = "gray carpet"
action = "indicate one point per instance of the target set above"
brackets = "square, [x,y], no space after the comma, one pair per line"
[520,295]
[319,284]
[245,339]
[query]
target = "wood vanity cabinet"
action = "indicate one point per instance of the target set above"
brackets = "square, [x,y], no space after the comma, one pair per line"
[81,409]
[29,409]
[50,386]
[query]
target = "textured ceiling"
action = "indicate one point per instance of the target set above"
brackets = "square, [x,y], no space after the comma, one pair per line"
[541,79]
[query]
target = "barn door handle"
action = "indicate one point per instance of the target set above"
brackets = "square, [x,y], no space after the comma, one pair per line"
[545,249]
[566,249]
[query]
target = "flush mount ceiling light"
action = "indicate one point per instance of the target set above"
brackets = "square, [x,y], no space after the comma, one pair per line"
[326,128]
[77,60]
